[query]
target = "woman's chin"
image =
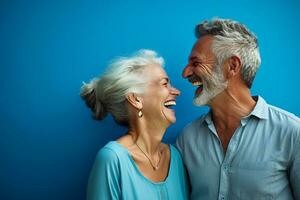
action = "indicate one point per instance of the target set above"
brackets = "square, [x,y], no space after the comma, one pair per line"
[172,119]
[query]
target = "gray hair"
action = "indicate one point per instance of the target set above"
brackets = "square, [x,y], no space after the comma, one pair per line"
[107,94]
[232,38]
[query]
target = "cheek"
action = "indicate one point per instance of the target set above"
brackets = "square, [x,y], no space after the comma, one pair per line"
[204,70]
[161,97]
[156,99]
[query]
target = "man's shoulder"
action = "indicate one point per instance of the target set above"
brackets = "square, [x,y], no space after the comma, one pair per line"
[282,117]
[191,128]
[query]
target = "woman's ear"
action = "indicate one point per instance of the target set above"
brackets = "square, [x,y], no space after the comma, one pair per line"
[234,66]
[134,100]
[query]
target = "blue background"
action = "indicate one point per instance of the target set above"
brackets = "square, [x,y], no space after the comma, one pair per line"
[48,139]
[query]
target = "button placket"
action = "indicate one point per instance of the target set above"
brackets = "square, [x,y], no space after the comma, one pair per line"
[226,166]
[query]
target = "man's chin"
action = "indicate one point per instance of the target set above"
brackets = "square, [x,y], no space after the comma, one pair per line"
[205,98]
[200,101]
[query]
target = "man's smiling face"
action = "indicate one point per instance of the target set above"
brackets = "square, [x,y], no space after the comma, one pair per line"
[204,72]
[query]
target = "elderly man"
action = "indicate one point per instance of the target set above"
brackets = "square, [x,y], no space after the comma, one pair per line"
[243,148]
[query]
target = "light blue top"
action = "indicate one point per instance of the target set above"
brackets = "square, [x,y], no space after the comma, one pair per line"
[116,176]
[262,159]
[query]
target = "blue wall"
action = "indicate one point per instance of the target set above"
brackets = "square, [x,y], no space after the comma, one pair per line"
[48,140]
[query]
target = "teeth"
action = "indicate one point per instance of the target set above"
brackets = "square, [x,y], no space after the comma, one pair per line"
[197,83]
[170,103]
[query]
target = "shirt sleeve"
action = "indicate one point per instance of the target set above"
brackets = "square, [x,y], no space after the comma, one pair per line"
[104,178]
[295,171]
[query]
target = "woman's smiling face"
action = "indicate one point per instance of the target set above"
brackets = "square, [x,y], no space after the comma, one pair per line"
[159,96]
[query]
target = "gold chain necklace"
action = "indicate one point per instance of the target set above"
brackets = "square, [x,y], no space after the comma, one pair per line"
[148,157]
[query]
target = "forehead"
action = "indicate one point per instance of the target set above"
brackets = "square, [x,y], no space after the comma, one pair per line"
[155,72]
[202,48]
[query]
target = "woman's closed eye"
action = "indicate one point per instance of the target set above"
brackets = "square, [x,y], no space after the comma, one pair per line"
[166,82]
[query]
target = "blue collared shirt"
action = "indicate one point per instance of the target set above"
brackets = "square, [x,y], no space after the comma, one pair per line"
[262,160]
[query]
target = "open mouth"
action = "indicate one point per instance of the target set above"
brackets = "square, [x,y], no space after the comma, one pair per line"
[198,84]
[196,81]
[170,104]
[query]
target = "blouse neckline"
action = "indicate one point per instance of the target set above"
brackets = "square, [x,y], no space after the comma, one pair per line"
[138,170]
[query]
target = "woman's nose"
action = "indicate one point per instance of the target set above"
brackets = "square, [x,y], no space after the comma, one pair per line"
[175,91]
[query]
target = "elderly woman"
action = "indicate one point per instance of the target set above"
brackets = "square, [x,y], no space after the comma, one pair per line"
[137,92]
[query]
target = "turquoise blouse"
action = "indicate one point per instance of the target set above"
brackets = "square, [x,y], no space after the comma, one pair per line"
[116,176]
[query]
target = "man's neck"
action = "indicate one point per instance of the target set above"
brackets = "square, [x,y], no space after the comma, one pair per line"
[229,107]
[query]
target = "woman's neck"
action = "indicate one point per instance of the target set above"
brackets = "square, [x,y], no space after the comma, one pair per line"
[147,137]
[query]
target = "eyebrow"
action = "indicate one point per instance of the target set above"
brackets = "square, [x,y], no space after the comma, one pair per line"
[194,58]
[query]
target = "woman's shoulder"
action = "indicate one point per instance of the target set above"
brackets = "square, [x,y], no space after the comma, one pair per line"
[111,152]
[174,150]
[176,162]
[175,154]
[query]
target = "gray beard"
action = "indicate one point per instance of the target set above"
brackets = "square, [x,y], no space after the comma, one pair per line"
[212,86]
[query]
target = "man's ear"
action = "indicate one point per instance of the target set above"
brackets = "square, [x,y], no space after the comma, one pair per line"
[234,66]
[134,100]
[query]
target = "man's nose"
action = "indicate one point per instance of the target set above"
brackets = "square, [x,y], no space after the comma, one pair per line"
[187,71]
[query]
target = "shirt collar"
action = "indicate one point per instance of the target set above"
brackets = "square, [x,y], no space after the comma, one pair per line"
[260,110]
[207,118]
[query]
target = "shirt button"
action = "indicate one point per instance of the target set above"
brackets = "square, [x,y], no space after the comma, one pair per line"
[226,167]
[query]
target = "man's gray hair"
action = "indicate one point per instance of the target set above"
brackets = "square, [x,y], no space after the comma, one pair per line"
[107,94]
[232,38]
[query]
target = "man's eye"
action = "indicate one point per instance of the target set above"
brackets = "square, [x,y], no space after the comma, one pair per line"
[195,64]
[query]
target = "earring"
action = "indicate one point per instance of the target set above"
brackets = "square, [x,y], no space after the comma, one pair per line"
[140,114]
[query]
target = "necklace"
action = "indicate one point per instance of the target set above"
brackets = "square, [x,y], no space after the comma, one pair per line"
[148,157]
